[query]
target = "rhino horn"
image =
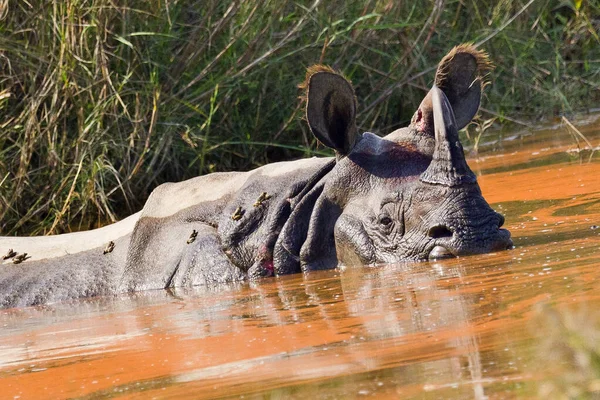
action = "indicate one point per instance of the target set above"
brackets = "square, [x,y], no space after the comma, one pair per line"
[448,166]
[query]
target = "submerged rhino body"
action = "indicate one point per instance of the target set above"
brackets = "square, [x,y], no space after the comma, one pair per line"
[407,196]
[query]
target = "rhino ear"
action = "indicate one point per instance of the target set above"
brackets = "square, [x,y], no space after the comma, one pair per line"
[331,108]
[460,75]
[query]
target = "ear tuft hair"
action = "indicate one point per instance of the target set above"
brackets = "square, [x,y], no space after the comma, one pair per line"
[312,70]
[484,65]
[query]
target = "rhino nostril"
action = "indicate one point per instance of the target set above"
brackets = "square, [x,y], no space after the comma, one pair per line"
[439,231]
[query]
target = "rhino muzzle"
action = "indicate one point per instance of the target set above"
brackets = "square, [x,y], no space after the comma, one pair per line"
[488,237]
[440,252]
[502,241]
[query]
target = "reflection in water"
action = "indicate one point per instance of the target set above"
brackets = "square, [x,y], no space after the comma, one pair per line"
[459,328]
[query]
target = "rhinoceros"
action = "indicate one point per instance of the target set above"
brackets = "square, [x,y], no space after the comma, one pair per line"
[407,196]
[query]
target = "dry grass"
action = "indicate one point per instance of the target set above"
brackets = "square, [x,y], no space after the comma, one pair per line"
[571,346]
[100,102]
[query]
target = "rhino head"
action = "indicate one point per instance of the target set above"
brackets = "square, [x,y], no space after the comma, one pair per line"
[409,195]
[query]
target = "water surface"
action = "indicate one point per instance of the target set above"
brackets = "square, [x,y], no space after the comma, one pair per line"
[514,324]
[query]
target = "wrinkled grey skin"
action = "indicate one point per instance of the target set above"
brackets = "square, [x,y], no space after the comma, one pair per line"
[407,196]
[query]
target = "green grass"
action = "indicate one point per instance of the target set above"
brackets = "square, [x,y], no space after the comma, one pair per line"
[100,103]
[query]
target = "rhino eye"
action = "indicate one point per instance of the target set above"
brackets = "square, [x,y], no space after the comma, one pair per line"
[385,221]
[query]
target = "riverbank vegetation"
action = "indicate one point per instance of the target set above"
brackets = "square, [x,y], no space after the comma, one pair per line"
[101,102]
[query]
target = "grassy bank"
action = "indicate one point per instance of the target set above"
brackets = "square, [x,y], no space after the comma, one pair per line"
[100,103]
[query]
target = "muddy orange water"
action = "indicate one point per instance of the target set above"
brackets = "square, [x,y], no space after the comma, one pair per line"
[475,327]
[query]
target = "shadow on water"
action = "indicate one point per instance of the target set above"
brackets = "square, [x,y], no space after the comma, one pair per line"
[504,325]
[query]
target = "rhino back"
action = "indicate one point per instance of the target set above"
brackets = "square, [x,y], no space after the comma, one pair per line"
[83,274]
[44,247]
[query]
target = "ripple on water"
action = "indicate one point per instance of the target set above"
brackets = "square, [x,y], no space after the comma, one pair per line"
[497,325]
